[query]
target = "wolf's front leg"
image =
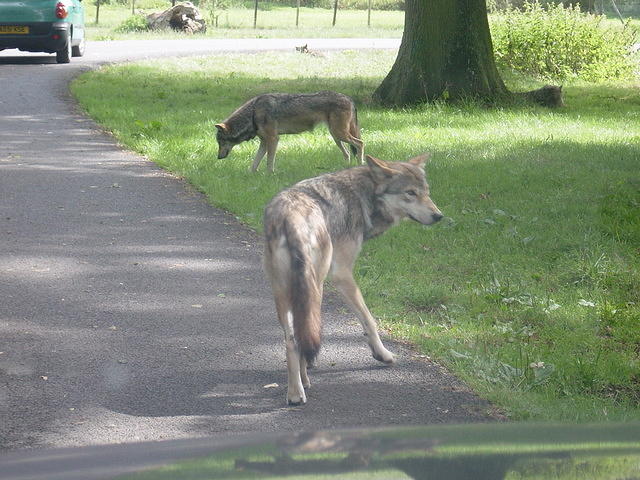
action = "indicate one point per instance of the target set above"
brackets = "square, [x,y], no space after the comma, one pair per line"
[352,295]
[272,146]
[346,285]
[262,149]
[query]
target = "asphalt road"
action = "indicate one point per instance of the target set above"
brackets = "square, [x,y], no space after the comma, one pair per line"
[131,309]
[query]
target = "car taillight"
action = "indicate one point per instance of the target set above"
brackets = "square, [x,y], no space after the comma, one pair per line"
[61,10]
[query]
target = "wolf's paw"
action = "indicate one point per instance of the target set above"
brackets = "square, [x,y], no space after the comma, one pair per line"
[296,401]
[295,397]
[385,357]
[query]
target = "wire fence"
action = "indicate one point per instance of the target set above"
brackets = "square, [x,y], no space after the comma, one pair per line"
[216,8]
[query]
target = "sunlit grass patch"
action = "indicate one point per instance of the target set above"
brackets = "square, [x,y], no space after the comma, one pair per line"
[528,289]
[237,22]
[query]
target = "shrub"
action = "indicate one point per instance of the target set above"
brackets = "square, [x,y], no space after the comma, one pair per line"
[135,23]
[561,42]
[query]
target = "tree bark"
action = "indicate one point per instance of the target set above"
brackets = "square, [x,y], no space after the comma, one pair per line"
[445,53]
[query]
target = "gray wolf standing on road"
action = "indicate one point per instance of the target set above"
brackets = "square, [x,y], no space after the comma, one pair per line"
[269,115]
[317,227]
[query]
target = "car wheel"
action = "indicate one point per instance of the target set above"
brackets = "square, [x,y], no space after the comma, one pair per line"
[64,54]
[78,50]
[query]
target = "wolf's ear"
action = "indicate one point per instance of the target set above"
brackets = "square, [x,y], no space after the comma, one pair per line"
[380,169]
[222,127]
[420,160]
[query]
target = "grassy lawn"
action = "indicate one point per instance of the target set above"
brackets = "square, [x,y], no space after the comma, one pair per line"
[529,289]
[273,22]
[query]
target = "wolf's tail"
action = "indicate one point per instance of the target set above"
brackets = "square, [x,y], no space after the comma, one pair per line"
[354,129]
[305,295]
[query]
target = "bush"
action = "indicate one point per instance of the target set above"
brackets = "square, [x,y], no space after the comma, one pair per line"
[560,42]
[135,23]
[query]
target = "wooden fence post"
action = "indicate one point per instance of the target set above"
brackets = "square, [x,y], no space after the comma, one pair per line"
[255,15]
[297,12]
[97,11]
[615,7]
[369,15]
[335,11]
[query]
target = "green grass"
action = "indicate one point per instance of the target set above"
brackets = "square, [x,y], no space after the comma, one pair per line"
[274,22]
[529,289]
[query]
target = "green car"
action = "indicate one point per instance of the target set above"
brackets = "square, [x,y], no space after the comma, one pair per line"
[52,26]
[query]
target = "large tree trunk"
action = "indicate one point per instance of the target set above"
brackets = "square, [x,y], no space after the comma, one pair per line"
[446,52]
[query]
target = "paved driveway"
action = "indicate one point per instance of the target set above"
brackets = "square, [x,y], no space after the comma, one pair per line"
[133,310]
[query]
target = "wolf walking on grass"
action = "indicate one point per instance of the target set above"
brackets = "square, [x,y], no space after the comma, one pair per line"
[317,227]
[272,114]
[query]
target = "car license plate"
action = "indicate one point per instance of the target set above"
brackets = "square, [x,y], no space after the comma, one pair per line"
[14,29]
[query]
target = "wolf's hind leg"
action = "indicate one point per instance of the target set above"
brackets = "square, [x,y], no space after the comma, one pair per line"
[303,373]
[338,123]
[295,371]
[356,140]
[358,145]
[345,152]
[295,374]
[321,258]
